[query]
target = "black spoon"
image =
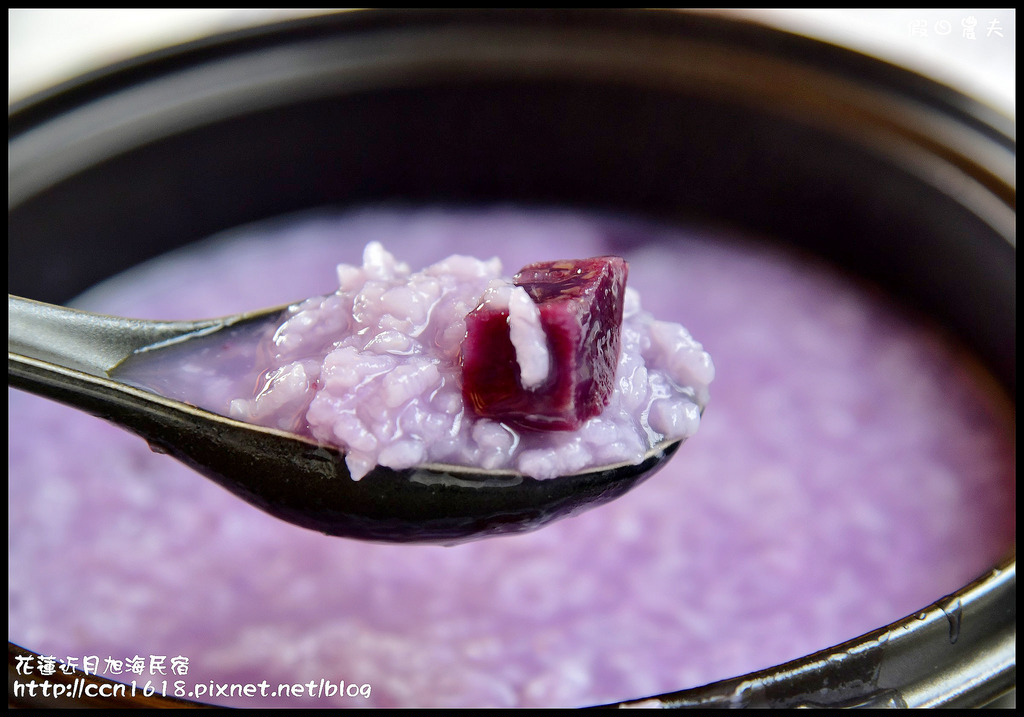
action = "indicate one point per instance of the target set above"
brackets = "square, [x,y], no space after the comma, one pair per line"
[67,355]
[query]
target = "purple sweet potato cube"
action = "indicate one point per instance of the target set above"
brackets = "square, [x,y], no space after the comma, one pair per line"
[580,303]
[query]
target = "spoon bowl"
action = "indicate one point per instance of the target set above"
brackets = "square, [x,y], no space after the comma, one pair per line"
[67,355]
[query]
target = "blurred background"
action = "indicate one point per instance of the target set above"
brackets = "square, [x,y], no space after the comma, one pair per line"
[973,50]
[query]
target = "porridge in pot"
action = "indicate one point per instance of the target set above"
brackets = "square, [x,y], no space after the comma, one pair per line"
[852,466]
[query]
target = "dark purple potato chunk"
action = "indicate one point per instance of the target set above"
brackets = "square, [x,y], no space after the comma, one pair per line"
[580,304]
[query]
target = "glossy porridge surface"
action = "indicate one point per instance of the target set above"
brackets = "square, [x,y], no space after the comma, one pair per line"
[851,468]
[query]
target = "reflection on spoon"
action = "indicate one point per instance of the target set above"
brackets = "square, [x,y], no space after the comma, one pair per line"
[67,355]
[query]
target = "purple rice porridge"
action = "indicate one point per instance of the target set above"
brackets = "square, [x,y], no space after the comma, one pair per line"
[381,366]
[852,467]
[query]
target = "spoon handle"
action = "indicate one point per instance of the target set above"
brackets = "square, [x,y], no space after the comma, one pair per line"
[91,343]
[65,355]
